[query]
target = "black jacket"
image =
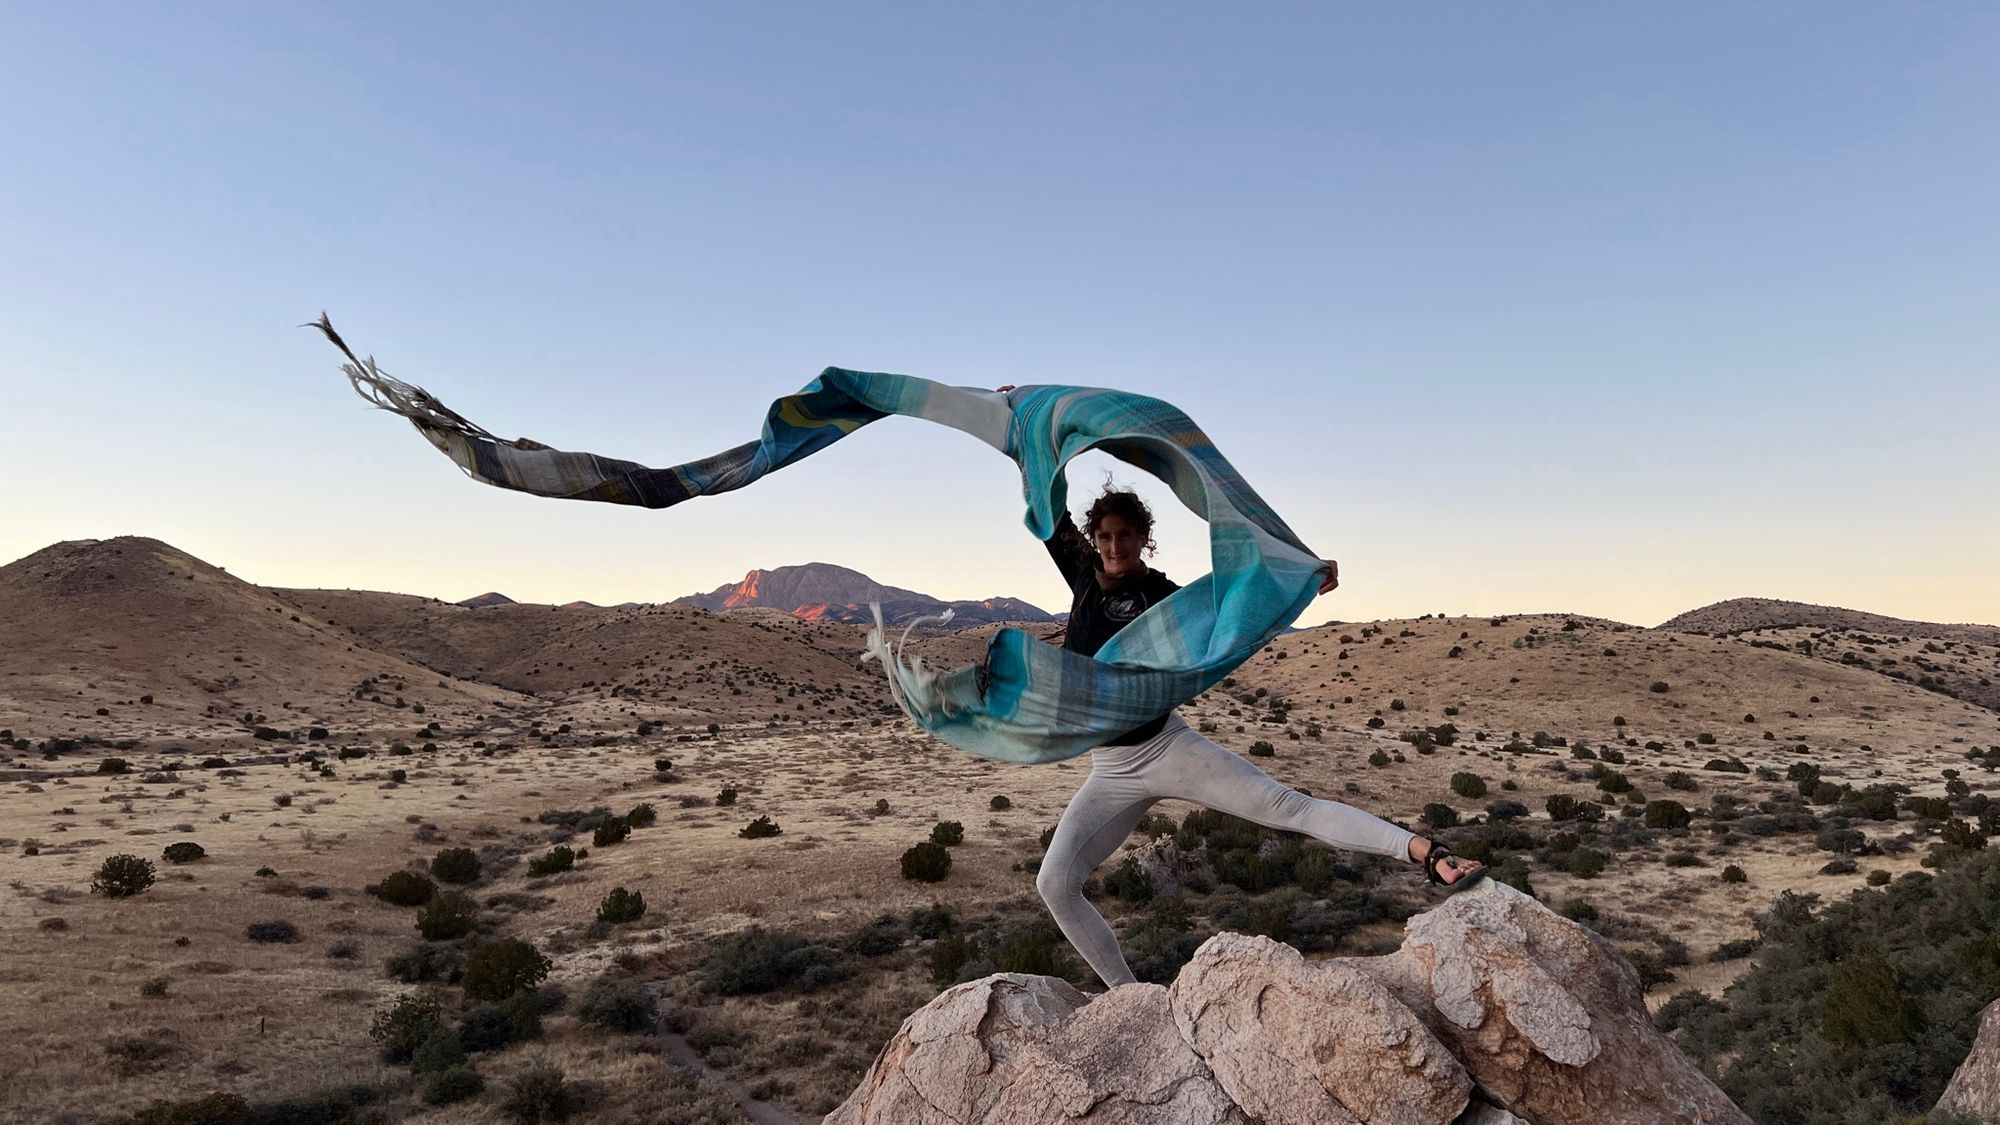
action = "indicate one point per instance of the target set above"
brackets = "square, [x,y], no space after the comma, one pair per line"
[1095,613]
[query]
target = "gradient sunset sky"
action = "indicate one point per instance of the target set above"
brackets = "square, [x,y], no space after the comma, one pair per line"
[1605,309]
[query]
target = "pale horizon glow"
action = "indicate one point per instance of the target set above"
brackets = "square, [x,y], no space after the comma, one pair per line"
[1612,312]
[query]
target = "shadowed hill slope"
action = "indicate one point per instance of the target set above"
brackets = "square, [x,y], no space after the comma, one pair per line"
[96,624]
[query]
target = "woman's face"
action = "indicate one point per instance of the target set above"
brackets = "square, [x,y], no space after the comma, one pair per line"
[1118,544]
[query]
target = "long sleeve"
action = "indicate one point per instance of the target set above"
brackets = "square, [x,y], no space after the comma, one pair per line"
[1071,551]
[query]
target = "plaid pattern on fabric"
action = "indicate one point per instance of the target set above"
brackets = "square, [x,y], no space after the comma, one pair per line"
[1027,701]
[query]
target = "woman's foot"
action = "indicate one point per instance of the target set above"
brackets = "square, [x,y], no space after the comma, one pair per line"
[1442,866]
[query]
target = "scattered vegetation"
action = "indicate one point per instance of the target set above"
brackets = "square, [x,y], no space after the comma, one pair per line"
[121,876]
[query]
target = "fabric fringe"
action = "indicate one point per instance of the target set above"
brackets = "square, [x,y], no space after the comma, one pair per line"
[413,402]
[911,684]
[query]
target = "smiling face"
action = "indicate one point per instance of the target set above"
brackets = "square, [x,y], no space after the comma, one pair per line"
[1118,543]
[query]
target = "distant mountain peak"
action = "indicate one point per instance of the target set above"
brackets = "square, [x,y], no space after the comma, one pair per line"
[820,591]
[488,598]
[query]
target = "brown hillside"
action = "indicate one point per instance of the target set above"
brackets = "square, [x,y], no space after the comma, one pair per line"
[97,624]
[1531,673]
[673,664]
[1958,661]
[1739,615]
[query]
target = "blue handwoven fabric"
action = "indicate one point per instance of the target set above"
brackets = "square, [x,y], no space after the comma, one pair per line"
[1028,701]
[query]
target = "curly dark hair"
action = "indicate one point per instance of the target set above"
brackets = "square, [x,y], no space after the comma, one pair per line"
[1126,505]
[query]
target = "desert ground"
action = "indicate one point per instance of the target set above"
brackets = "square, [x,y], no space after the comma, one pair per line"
[314,742]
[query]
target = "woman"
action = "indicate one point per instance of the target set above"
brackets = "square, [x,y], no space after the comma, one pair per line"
[1112,585]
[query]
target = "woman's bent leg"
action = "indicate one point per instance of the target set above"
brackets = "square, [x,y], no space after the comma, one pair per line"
[1098,819]
[1196,769]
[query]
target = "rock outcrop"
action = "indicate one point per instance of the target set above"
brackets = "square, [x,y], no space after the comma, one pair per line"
[1495,1011]
[1974,1089]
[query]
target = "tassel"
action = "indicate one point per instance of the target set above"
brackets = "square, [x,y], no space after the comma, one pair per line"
[398,397]
[911,684]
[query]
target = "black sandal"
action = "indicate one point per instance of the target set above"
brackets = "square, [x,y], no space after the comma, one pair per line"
[1438,854]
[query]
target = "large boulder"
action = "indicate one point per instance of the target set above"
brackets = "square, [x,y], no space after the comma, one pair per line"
[1298,1043]
[1974,1090]
[1495,1011]
[1018,1048]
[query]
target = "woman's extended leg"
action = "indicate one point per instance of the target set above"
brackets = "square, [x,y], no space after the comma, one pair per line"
[1100,816]
[1196,769]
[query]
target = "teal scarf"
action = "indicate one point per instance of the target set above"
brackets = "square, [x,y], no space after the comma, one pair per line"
[1028,701]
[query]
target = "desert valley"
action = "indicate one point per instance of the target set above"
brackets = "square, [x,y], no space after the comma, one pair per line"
[701,837]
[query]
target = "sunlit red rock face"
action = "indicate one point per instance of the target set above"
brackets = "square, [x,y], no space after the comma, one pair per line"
[1495,1010]
[824,592]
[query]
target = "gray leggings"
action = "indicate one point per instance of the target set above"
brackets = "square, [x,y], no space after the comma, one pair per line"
[1125,781]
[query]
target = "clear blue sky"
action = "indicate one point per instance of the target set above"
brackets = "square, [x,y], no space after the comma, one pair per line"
[1608,309]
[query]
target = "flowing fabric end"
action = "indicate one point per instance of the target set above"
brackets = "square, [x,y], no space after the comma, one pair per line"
[912,685]
[413,402]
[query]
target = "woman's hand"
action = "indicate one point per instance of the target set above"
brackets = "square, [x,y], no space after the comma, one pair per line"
[1332,576]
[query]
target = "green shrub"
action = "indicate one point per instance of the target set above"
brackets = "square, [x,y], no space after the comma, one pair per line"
[540,1093]
[121,876]
[725,798]
[440,1052]
[1000,804]
[933,921]
[927,861]
[1039,948]
[1734,874]
[1127,883]
[215,1109]
[495,970]
[456,865]
[621,906]
[1563,807]
[618,1004]
[1667,814]
[1660,687]
[185,851]
[759,961]
[1378,759]
[453,1085]
[113,765]
[1499,811]
[1440,816]
[948,956]
[1614,782]
[1865,1007]
[405,1025]
[1734,950]
[405,888]
[1586,863]
[428,962]
[878,938]
[271,932]
[1262,749]
[642,815]
[948,833]
[1681,780]
[489,1027]
[555,861]
[761,828]
[1468,785]
[1878,878]
[447,915]
[611,831]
